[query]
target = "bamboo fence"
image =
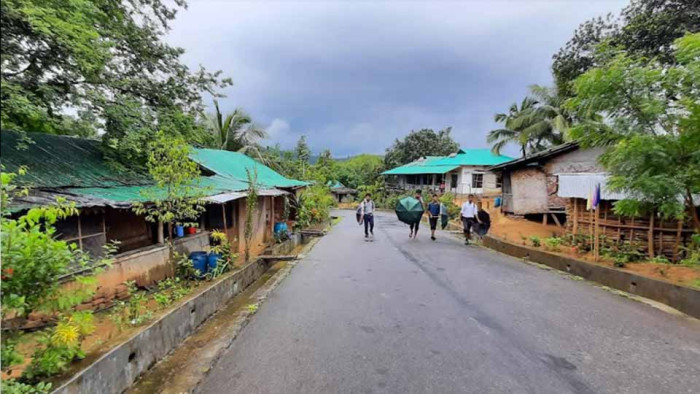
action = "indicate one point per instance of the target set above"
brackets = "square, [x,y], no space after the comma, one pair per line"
[653,235]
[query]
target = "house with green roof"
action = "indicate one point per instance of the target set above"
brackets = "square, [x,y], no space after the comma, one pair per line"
[75,170]
[463,172]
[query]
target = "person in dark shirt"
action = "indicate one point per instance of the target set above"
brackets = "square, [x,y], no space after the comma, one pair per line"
[434,212]
[484,220]
[414,226]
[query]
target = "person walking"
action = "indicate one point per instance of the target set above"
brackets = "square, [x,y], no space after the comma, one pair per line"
[484,220]
[414,226]
[434,209]
[367,210]
[468,213]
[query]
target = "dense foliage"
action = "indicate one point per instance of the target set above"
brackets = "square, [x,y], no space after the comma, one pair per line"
[649,121]
[417,144]
[313,206]
[645,28]
[177,194]
[79,66]
[32,262]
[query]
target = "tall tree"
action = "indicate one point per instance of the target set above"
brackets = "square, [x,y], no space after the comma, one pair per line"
[104,59]
[236,131]
[649,124]
[644,28]
[303,155]
[417,144]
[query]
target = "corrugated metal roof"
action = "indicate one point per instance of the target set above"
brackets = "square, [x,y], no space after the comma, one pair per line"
[55,161]
[581,185]
[74,168]
[473,157]
[234,165]
[545,154]
[411,170]
[225,197]
[443,164]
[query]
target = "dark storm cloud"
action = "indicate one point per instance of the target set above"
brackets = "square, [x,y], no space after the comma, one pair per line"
[355,76]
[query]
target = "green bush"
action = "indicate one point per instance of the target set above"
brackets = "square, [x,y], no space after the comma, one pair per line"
[313,206]
[553,243]
[535,241]
[453,209]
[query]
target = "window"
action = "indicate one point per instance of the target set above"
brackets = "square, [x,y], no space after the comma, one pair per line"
[453,182]
[499,180]
[477,181]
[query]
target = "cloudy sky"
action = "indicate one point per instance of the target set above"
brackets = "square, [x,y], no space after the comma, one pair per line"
[353,76]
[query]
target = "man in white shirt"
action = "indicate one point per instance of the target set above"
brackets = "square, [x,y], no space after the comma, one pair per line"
[367,211]
[469,211]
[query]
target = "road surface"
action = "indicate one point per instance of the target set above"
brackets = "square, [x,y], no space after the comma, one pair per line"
[416,316]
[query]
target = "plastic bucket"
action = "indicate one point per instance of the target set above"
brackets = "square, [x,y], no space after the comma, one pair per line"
[191,230]
[212,260]
[497,202]
[199,261]
[179,231]
[280,227]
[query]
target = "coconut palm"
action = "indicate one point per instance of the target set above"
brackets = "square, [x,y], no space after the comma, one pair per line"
[539,122]
[236,132]
[515,123]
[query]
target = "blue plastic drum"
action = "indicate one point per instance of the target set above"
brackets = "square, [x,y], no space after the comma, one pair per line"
[199,261]
[212,260]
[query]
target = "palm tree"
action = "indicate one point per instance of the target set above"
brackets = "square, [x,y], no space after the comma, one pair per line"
[541,121]
[515,124]
[236,132]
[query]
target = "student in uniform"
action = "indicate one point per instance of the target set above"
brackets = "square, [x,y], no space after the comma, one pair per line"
[468,214]
[484,220]
[434,209]
[367,211]
[414,226]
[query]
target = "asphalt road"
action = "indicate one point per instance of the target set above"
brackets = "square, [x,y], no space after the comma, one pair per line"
[416,316]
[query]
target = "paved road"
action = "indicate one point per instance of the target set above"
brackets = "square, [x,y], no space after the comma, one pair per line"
[401,316]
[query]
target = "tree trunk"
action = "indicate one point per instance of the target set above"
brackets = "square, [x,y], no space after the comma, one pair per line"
[691,209]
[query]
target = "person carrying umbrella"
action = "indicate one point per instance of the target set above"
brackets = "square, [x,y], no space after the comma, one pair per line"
[484,220]
[409,210]
[367,212]
[468,213]
[414,225]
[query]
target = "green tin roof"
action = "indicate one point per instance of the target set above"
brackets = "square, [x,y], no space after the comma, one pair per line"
[75,169]
[409,170]
[234,165]
[61,161]
[443,164]
[474,157]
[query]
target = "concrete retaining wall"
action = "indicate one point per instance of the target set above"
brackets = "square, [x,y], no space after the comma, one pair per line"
[685,299]
[285,247]
[117,370]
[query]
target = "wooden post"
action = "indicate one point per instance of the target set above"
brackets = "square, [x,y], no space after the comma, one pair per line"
[544,218]
[596,241]
[660,250]
[678,240]
[161,238]
[575,227]
[650,241]
[80,233]
[272,214]
[223,213]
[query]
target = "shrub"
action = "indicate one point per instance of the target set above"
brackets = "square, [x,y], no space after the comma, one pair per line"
[313,206]
[535,241]
[553,243]
[453,209]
